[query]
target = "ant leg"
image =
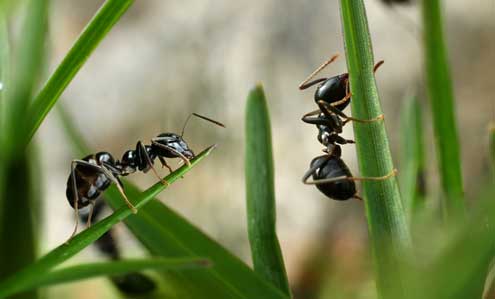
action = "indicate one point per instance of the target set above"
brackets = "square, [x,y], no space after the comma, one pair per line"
[314,112]
[164,164]
[150,163]
[90,215]
[76,196]
[328,109]
[331,180]
[341,140]
[184,158]
[307,118]
[312,169]
[111,177]
[378,65]
[305,84]
[347,97]
[357,197]
[114,179]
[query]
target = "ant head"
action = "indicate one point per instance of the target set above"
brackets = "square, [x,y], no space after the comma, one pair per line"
[169,144]
[332,89]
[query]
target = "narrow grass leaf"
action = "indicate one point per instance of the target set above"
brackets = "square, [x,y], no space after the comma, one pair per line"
[20,279]
[26,66]
[412,169]
[18,229]
[95,31]
[20,211]
[92,270]
[461,270]
[491,147]
[260,193]
[389,232]
[165,233]
[4,72]
[441,98]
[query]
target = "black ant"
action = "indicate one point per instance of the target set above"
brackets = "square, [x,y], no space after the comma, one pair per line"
[330,174]
[333,178]
[94,173]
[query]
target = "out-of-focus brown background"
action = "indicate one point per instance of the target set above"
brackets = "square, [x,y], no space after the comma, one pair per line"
[166,59]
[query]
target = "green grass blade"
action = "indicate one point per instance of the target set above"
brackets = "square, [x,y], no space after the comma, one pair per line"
[491,147]
[95,31]
[165,233]
[442,105]
[461,269]
[91,270]
[260,193]
[26,65]
[80,241]
[389,232]
[4,71]
[18,229]
[412,170]
[19,208]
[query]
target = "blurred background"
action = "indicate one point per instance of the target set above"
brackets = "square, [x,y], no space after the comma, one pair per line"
[166,59]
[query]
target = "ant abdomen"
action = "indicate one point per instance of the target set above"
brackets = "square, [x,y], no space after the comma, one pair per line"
[89,184]
[333,167]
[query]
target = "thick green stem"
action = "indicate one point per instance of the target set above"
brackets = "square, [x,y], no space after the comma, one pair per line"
[387,224]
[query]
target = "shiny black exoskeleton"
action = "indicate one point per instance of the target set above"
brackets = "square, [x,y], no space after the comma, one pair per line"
[329,127]
[165,145]
[332,96]
[333,90]
[330,175]
[94,173]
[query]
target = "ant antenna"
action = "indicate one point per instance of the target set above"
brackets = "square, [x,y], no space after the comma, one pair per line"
[202,117]
[305,83]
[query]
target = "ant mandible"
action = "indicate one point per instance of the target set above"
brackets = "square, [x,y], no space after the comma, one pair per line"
[94,173]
